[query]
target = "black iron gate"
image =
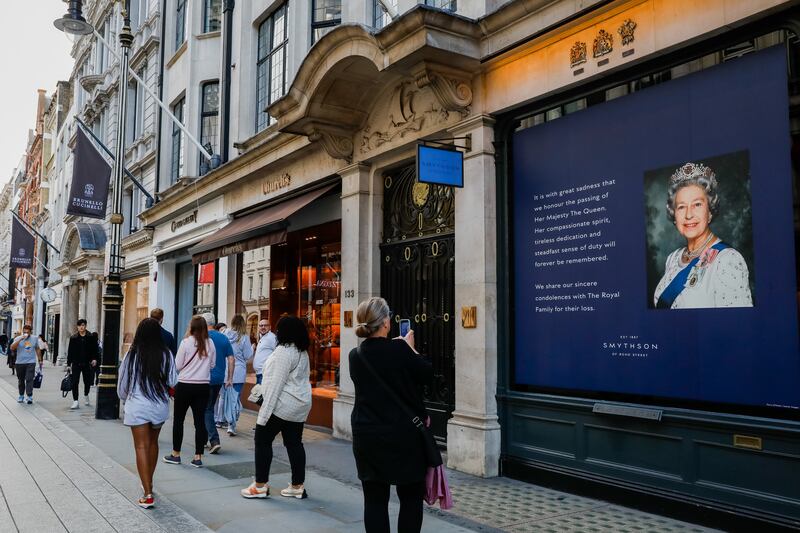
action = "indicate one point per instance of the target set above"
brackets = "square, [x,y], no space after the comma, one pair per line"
[418,279]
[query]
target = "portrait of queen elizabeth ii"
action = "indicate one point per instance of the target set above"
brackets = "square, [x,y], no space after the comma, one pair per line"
[705,271]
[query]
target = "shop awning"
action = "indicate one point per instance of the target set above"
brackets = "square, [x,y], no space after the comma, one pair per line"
[262,228]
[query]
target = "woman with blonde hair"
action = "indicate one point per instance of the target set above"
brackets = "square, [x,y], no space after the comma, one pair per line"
[242,352]
[194,361]
[387,446]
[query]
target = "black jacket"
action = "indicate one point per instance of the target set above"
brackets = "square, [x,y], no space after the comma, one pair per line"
[386,445]
[82,350]
[169,341]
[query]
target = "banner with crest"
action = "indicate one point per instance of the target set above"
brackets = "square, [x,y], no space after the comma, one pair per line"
[90,180]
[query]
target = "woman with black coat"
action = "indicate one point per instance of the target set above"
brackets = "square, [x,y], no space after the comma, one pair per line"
[388,448]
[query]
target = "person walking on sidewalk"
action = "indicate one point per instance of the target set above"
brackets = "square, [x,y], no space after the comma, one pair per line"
[194,361]
[287,402]
[221,374]
[28,354]
[4,344]
[145,376]
[43,346]
[166,336]
[11,358]
[83,355]
[266,345]
[242,352]
[388,448]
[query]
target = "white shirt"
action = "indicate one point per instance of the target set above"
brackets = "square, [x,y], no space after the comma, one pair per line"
[286,386]
[266,345]
[720,279]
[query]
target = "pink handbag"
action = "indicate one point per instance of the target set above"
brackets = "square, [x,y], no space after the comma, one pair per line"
[436,487]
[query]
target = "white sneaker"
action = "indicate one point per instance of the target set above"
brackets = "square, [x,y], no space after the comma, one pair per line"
[86,401]
[75,405]
[252,491]
[291,492]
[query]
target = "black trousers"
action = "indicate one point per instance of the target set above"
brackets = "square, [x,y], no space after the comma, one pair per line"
[88,379]
[194,395]
[292,434]
[376,507]
[25,374]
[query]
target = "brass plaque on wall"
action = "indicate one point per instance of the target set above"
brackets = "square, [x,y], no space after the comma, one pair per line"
[469,317]
[348,319]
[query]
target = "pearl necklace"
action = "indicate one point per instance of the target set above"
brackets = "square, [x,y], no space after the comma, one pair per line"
[691,255]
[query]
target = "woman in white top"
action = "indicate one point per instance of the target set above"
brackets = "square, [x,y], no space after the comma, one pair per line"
[287,402]
[195,359]
[706,272]
[145,376]
[242,352]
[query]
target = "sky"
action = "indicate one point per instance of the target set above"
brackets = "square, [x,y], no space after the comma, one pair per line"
[34,55]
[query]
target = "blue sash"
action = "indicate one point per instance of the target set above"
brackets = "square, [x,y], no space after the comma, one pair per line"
[678,283]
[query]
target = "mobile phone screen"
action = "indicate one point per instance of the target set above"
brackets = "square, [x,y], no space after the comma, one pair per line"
[405,326]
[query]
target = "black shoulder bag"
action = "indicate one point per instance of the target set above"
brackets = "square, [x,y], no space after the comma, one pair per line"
[433,457]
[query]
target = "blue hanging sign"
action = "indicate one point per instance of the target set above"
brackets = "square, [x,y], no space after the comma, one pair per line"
[442,166]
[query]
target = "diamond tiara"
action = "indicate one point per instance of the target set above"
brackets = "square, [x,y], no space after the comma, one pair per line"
[691,171]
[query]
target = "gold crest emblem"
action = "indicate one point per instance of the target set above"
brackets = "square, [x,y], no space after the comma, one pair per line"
[419,193]
[603,44]
[577,54]
[626,31]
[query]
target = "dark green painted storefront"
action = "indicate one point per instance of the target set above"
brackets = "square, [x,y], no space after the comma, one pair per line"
[735,469]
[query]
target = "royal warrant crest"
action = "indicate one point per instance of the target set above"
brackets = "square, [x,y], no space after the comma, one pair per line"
[577,54]
[603,44]
[626,31]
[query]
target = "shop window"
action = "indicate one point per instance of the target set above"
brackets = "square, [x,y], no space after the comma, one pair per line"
[271,64]
[176,166]
[206,290]
[180,23]
[253,301]
[136,308]
[212,16]
[209,121]
[325,15]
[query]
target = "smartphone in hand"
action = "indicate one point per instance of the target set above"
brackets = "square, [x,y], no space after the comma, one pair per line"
[405,327]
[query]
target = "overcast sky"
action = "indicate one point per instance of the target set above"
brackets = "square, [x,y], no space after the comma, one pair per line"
[34,55]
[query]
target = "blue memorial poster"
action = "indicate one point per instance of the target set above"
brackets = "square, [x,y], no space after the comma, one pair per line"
[653,243]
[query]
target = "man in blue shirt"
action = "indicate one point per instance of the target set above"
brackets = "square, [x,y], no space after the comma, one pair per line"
[28,354]
[221,374]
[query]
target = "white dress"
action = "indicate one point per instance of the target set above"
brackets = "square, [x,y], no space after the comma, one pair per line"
[719,279]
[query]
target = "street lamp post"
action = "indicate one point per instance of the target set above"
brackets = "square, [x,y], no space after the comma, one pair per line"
[107,400]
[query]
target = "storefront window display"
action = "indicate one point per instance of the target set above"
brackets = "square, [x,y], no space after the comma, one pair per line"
[306,281]
[253,300]
[136,308]
[205,296]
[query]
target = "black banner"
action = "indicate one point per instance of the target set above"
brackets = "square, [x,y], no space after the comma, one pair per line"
[22,243]
[90,177]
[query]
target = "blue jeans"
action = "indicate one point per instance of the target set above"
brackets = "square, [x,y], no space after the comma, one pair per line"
[213,435]
[238,388]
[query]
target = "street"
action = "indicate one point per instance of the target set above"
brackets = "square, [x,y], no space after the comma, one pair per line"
[66,471]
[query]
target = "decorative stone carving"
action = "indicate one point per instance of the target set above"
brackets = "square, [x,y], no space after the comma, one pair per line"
[405,116]
[454,93]
[91,81]
[338,146]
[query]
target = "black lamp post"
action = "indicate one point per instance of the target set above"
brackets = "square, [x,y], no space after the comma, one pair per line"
[107,400]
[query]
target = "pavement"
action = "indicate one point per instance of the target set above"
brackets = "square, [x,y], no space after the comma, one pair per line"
[63,470]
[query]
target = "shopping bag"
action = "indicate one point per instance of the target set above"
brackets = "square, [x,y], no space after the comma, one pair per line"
[232,405]
[66,385]
[37,380]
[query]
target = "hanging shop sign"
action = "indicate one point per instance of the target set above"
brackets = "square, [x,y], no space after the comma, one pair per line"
[90,180]
[22,245]
[657,261]
[441,166]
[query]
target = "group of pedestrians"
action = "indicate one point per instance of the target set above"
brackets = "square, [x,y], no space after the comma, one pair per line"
[388,375]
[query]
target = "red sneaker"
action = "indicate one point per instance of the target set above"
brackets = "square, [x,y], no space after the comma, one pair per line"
[147,501]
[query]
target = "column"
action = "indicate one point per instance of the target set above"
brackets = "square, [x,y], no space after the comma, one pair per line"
[473,434]
[67,321]
[361,219]
[93,304]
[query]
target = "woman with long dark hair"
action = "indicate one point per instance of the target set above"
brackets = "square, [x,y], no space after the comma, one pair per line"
[145,376]
[287,402]
[195,359]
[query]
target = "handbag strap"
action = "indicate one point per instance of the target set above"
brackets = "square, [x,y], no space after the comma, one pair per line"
[393,395]
[187,362]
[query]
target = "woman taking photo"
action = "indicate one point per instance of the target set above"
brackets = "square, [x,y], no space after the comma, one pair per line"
[194,361]
[145,376]
[287,402]
[387,447]
[242,352]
